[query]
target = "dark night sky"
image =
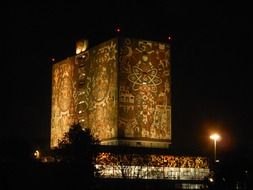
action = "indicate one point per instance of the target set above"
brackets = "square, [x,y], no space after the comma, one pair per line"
[211,69]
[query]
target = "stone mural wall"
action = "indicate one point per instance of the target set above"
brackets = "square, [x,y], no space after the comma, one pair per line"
[120,89]
[144,90]
[64,86]
[97,89]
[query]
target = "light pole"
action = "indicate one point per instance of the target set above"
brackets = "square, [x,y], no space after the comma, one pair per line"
[215,137]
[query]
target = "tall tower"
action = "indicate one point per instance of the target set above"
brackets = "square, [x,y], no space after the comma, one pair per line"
[120,89]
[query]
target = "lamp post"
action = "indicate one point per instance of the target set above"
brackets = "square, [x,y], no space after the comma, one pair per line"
[215,137]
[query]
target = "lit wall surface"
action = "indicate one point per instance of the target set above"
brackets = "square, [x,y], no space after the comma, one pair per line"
[134,166]
[63,112]
[144,93]
[120,89]
[97,89]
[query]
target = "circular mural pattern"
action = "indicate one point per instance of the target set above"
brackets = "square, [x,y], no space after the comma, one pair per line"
[65,94]
[142,77]
[100,84]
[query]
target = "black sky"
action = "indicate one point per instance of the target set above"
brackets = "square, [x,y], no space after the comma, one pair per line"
[211,63]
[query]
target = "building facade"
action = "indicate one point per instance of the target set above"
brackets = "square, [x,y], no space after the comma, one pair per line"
[120,89]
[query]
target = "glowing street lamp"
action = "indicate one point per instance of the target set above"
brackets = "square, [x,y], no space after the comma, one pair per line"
[36,154]
[215,137]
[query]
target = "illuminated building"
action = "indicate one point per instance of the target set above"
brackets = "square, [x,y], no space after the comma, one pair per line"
[120,89]
[151,166]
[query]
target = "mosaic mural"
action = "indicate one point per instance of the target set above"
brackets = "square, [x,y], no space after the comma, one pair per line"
[120,89]
[84,90]
[144,90]
[63,99]
[97,98]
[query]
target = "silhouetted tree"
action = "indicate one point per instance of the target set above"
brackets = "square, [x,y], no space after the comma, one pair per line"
[77,151]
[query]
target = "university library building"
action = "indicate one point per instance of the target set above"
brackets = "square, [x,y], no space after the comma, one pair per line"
[121,90]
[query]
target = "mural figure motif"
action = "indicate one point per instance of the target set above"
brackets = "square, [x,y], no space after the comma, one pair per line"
[146,66]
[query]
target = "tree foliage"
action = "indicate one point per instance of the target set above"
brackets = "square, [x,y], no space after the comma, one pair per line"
[77,144]
[77,151]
